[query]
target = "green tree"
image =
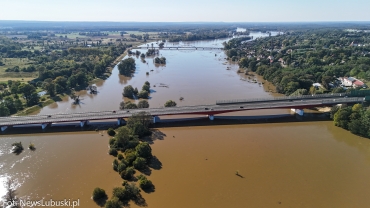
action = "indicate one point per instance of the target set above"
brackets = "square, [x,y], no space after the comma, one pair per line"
[18,104]
[122,105]
[139,123]
[170,103]
[4,111]
[111,132]
[29,93]
[50,88]
[113,203]
[144,182]
[146,88]
[130,105]
[143,94]
[127,67]
[128,91]
[99,194]
[342,117]
[143,104]
[128,173]
[144,150]
[139,163]
[9,103]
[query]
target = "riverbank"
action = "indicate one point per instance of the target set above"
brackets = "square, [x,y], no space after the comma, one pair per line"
[36,108]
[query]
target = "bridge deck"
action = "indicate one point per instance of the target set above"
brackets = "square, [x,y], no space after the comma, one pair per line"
[201,109]
[179,47]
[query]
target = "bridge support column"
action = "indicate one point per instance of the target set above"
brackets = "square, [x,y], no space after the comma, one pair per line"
[3,128]
[120,121]
[298,111]
[211,117]
[44,125]
[156,119]
[82,123]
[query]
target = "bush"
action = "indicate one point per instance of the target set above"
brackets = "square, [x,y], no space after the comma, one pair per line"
[113,151]
[120,156]
[111,132]
[31,146]
[139,163]
[99,193]
[17,147]
[170,103]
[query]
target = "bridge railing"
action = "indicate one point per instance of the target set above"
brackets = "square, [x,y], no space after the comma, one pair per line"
[221,102]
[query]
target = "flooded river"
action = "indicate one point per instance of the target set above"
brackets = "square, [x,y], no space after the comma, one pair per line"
[304,164]
[292,164]
[199,76]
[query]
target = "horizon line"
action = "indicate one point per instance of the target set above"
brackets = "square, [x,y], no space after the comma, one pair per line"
[109,21]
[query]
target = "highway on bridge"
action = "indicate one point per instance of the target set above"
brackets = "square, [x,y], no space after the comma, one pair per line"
[209,110]
[180,47]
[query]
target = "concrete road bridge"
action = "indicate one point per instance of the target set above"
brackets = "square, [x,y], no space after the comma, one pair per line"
[180,48]
[297,103]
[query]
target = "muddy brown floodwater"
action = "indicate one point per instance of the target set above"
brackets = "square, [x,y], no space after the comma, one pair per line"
[305,164]
[302,164]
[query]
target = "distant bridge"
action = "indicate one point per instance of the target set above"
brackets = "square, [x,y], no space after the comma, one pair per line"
[298,103]
[179,48]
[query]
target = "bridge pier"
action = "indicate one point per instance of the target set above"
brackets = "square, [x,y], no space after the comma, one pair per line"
[156,119]
[120,121]
[211,117]
[44,125]
[3,128]
[83,123]
[298,111]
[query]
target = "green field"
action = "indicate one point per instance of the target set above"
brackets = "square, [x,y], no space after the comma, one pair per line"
[21,76]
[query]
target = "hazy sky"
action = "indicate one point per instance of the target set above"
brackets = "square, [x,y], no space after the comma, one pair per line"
[186,10]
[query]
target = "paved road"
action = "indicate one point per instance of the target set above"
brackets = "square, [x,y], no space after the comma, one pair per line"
[199,109]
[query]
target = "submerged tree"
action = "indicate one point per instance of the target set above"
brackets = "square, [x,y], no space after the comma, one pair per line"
[127,67]
[170,103]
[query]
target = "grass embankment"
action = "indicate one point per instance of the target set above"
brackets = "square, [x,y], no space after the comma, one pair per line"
[35,108]
[20,76]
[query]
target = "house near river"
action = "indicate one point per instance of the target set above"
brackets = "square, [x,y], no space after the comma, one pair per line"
[352,82]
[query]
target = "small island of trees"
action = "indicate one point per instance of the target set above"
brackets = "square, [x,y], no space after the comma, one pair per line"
[127,67]
[161,60]
[131,154]
[170,103]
